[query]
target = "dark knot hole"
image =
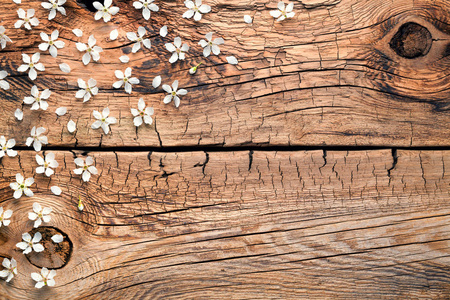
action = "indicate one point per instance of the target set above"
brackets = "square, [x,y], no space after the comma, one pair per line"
[411,41]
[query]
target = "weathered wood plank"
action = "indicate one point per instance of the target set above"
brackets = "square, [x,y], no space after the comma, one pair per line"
[242,225]
[326,77]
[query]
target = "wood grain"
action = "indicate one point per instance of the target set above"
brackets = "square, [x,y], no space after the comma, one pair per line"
[325,77]
[242,225]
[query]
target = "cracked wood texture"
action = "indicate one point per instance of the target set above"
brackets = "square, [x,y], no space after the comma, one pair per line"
[231,223]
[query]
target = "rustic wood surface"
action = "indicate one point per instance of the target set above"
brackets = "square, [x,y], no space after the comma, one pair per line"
[318,167]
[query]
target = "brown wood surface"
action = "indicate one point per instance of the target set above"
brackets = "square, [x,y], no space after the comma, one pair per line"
[301,219]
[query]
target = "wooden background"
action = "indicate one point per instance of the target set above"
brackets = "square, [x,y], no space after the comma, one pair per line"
[318,167]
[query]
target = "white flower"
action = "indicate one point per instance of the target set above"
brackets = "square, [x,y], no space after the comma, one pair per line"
[61,111]
[163,31]
[47,164]
[134,38]
[10,269]
[3,37]
[124,59]
[209,45]
[248,19]
[28,19]
[64,67]
[91,50]
[146,6]
[103,120]
[36,139]
[125,79]
[193,70]
[3,83]
[18,114]
[56,190]
[40,214]
[21,186]
[156,81]
[283,11]
[45,278]
[105,11]
[33,64]
[85,168]
[113,35]
[77,32]
[36,100]
[173,93]
[232,60]
[53,6]
[30,244]
[4,216]
[71,126]
[177,49]
[86,90]
[6,147]
[142,114]
[196,9]
[51,43]
[80,204]
[57,238]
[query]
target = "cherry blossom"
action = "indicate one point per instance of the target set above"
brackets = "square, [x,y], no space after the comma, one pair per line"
[173,93]
[33,64]
[177,49]
[193,70]
[80,204]
[196,9]
[36,139]
[210,45]
[10,269]
[86,90]
[283,11]
[142,114]
[39,214]
[3,37]
[105,11]
[31,244]
[21,186]
[36,100]
[28,19]
[4,216]
[146,6]
[53,6]
[103,120]
[46,165]
[91,50]
[125,79]
[138,39]
[44,278]
[51,43]
[6,147]
[86,168]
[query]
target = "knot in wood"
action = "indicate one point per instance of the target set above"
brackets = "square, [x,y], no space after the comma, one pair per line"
[411,41]
[55,255]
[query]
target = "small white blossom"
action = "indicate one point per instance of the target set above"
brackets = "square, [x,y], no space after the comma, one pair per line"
[103,120]
[18,114]
[39,214]
[124,59]
[210,45]
[173,93]
[56,190]
[31,244]
[57,238]
[4,216]
[33,64]
[132,36]
[91,50]
[44,278]
[113,35]
[147,6]
[142,114]
[36,100]
[232,60]
[36,139]
[283,11]
[86,90]
[3,37]
[85,168]
[193,70]
[125,79]
[64,67]
[248,19]
[177,49]
[156,81]
[46,166]
[6,147]
[71,126]
[21,186]
[28,19]
[51,43]
[3,83]
[10,269]
[80,204]
[77,32]
[53,6]
[196,9]
[105,11]
[61,111]
[163,31]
